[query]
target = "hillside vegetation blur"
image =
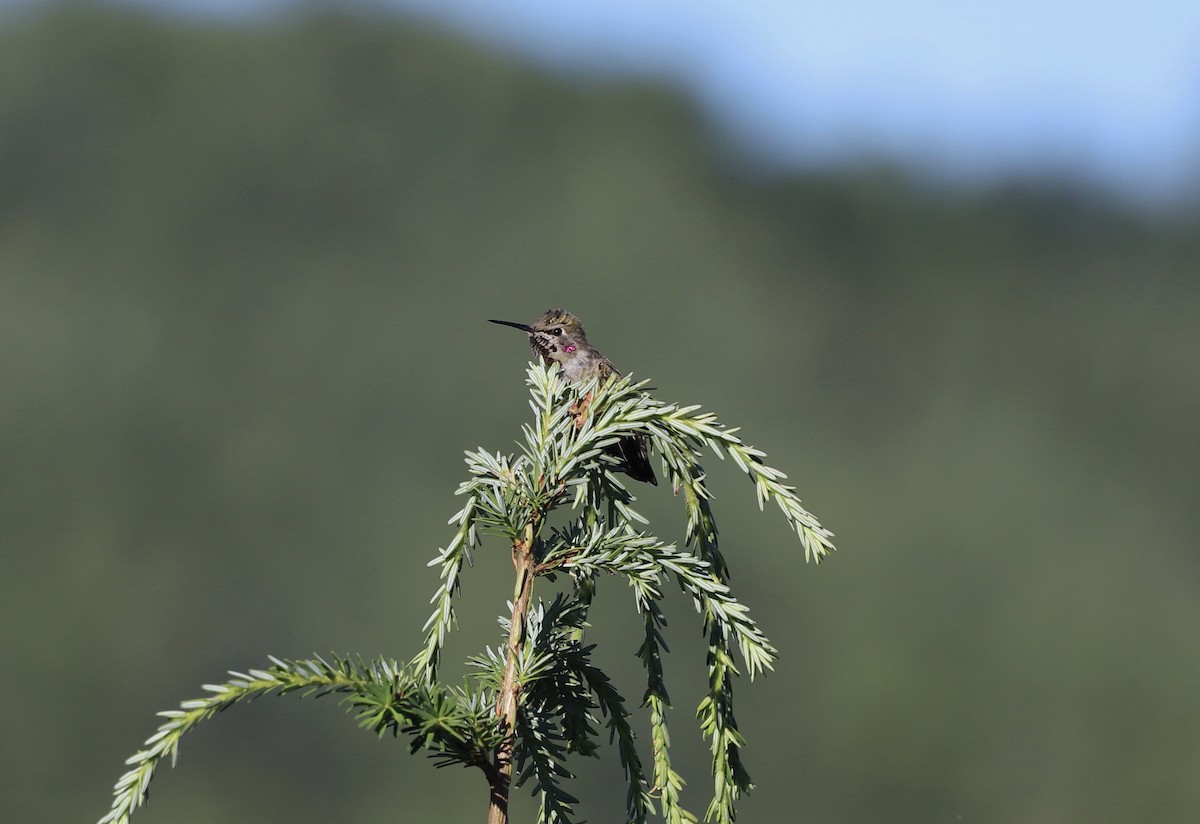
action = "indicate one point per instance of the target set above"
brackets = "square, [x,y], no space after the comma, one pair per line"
[244,278]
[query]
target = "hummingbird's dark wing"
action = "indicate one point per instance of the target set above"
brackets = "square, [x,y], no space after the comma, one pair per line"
[635,459]
[633,452]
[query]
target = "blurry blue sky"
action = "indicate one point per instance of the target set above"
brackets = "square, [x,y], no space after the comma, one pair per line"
[1102,89]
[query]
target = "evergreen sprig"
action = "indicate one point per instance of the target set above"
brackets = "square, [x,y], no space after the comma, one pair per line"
[454,725]
[539,699]
[563,460]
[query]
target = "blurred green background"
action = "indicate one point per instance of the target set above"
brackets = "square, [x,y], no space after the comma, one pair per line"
[244,274]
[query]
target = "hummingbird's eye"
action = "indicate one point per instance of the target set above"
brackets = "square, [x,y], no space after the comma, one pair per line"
[556,331]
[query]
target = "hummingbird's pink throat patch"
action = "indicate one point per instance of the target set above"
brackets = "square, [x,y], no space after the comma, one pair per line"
[568,348]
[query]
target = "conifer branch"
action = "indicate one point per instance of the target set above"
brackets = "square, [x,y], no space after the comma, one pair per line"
[383,696]
[668,783]
[538,699]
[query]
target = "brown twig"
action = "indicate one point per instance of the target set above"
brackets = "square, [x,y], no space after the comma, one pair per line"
[506,703]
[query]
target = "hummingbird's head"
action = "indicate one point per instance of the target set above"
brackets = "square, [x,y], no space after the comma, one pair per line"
[556,336]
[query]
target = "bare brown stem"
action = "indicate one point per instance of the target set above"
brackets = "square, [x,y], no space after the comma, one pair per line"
[506,703]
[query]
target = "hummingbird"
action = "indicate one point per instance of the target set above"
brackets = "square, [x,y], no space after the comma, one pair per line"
[557,336]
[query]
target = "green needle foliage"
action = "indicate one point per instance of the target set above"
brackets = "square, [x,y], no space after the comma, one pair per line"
[538,699]
[455,725]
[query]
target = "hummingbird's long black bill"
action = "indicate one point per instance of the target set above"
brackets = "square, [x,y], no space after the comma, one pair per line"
[523,327]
